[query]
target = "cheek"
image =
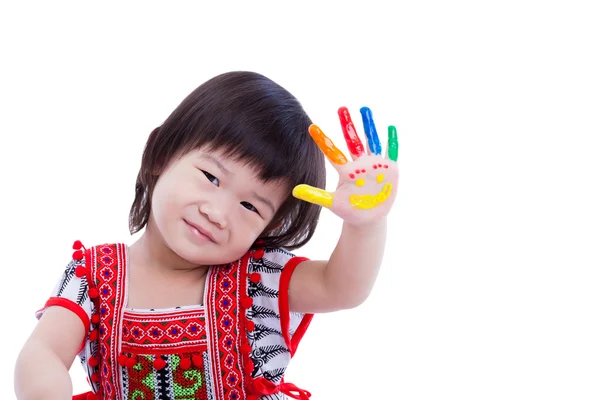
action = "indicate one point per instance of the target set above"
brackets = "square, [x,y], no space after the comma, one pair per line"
[160,204]
[165,199]
[246,228]
[180,191]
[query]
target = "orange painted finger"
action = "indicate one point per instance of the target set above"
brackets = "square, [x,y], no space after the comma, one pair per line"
[326,145]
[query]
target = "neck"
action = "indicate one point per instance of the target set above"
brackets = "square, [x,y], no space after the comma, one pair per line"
[151,252]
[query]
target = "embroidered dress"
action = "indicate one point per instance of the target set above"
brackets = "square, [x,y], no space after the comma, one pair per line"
[235,346]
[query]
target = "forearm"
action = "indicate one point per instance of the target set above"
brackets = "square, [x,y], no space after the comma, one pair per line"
[41,375]
[354,265]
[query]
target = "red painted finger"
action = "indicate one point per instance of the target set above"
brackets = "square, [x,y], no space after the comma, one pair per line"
[355,146]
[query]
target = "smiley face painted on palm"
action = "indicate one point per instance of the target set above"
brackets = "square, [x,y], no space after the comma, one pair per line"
[368,184]
[363,175]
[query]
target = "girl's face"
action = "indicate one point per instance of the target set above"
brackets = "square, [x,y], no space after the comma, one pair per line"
[209,209]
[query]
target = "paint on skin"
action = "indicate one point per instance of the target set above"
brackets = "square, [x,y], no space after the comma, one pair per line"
[392,143]
[328,148]
[313,195]
[368,201]
[355,146]
[370,131]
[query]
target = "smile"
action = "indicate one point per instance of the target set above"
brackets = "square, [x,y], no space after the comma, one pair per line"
[367,201]
[198,231]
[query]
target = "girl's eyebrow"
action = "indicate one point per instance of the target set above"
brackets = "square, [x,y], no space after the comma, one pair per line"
[265,201]
[217,163]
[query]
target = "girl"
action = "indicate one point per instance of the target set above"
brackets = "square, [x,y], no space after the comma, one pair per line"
[209,302]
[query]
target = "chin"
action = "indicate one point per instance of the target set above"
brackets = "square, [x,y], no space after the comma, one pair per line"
[205,251]
[207,256]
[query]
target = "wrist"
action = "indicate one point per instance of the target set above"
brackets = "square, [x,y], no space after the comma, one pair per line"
[367,227]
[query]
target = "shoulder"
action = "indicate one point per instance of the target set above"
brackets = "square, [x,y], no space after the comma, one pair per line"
[105,253]
[269,272]
[85,261]
[272,261]
[80,250]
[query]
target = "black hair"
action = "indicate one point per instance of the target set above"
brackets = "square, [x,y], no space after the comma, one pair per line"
[251,118]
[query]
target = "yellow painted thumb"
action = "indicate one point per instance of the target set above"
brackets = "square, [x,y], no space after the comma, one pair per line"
[313,195]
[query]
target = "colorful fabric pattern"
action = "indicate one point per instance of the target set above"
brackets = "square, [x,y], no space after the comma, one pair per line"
[231,348]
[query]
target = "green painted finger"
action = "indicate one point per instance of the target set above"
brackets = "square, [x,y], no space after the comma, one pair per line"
[392,143]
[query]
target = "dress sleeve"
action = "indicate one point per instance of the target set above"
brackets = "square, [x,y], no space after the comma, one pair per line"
[269,278]
[71,292]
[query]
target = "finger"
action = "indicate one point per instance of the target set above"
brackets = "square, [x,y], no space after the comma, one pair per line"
[367,148]
[352,140]
[326,145]
[392,143]
[313,195]
[373,142]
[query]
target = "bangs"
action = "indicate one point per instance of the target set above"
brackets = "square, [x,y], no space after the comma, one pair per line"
[250,119]
[252,145]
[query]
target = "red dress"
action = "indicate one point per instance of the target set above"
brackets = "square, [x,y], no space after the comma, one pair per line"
[235,346]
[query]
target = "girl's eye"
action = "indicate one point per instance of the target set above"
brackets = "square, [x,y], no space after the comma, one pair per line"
[249,207]
[211,178]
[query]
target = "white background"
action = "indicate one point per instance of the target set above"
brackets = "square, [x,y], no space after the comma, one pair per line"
[490,286]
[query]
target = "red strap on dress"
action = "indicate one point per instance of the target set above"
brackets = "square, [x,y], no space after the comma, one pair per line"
[265,387]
